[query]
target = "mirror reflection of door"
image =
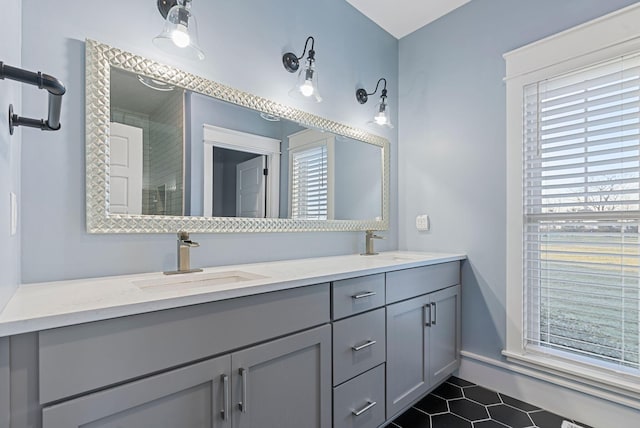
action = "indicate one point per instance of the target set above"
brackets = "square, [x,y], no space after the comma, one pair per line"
[126,169]
[251,188]
[239,185]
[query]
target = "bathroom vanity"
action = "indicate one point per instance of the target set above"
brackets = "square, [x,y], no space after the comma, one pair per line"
[347,341]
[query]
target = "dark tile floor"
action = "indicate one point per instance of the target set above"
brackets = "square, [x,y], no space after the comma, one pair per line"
[461,404]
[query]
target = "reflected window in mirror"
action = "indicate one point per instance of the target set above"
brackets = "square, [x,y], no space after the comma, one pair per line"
[311,157]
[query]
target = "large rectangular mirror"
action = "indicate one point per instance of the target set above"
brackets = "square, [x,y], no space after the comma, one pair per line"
[168,150]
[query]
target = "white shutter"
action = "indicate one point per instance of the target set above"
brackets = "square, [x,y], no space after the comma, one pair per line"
[581,190]
[309,183]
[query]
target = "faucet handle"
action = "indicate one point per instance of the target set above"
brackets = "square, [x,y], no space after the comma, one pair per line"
[371,234]
[183,238]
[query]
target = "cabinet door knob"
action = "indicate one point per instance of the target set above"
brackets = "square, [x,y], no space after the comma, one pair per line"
[369,405]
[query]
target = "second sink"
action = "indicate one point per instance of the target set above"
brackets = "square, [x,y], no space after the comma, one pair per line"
[196,280]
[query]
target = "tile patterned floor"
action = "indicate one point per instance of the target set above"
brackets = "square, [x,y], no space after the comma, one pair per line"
[461,404]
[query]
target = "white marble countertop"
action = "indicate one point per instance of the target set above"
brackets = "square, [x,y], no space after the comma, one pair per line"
[42,306]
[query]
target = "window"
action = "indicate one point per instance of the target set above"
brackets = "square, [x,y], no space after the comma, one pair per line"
[309,187]
[311,175]
[581,207]
[573,207]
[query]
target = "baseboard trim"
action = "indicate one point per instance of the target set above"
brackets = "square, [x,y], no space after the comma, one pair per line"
[593,407]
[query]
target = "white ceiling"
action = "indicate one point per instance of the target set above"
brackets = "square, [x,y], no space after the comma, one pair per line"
[401,17]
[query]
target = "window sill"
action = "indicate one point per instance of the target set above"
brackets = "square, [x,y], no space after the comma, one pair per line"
[581,377]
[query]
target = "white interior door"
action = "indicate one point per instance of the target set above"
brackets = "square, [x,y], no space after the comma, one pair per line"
[250,188]
[126,169]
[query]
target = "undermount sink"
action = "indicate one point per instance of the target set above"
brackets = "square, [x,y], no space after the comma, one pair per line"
[195,280]
[402,258]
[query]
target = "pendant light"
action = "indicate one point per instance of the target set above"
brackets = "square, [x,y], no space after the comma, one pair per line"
[307,83]
[381,114]
[180,34]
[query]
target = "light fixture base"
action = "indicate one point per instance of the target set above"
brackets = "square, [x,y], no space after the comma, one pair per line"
[11,118]
[290,62]
[362,96]
[164,6]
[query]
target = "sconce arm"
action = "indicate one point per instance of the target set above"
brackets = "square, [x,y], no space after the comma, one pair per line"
[362,95]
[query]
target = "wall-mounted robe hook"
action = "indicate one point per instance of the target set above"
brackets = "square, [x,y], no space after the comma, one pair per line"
[43,81]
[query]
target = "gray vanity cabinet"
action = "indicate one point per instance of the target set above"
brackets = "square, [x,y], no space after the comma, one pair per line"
[358,351]
[261,360]
[423,332]
[191,397]
[423,345]
[285,383]
[444,334]
[349,354]
[407,364]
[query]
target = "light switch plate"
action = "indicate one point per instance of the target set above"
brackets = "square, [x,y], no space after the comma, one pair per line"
[422,223]
[13,204]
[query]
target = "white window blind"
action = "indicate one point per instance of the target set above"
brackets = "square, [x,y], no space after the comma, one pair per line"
[581,213]
[309,183]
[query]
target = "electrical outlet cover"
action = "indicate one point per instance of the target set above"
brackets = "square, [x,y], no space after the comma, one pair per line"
[422,223]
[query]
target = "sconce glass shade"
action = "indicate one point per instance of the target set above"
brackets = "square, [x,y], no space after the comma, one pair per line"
[306,87]
[381,114]
[180,34]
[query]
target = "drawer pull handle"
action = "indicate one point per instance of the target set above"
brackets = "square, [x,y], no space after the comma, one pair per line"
[364,409]
[364,345]
[243,404]
[225,400]
[363,295]
[435,314]
[427,318]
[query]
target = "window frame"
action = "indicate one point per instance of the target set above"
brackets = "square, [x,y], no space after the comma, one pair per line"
[594,42]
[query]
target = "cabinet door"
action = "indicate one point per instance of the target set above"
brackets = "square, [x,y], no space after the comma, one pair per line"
[285,383]
[444,334]
[190,397]
[407,338]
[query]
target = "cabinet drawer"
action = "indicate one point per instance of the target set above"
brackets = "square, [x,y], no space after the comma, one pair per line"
[89,356]
[355,295]
[408,283]
[359,403]
[358,344]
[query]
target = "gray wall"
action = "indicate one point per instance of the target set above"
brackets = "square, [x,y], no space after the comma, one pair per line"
[452,150]
[10,93]
[244,42]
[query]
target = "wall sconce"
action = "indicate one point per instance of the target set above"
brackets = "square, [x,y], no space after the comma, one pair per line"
[307,83]
[180,33]
[381,116]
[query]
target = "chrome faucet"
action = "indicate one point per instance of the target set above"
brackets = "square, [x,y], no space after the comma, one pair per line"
[184,258]
[369,237]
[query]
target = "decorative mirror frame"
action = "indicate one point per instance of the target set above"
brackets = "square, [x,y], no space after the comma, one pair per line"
[99,60]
